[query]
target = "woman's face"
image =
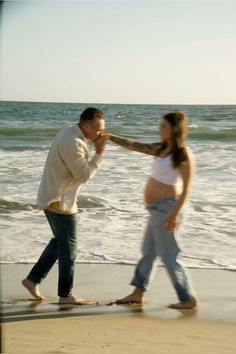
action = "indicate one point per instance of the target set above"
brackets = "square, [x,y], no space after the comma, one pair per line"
[165,131]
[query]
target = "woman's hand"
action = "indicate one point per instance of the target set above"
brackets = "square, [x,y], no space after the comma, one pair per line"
[105,134]
[171,222]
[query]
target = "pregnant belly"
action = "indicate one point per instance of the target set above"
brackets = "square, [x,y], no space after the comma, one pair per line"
[155,190]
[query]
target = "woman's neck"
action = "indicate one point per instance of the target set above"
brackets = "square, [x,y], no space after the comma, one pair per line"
[168,146]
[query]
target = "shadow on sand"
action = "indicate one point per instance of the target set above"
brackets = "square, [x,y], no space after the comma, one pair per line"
[28,310]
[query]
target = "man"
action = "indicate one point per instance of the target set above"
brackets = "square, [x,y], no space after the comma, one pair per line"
[67,168]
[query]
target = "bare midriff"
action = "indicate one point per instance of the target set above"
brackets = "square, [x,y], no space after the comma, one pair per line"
[156,190]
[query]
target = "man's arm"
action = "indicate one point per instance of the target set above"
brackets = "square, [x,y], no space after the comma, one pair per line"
[75,156]
[130,144]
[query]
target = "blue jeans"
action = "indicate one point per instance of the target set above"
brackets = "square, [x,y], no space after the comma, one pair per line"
[62,247]
[160,243]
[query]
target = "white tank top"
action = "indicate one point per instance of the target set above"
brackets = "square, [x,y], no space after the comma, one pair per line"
[164,172]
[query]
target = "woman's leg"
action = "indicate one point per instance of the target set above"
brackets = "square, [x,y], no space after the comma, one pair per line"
[169,251]
[143,269]
[145,265]
[175,269]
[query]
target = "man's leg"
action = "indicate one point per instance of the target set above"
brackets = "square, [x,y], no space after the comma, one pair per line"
[42,267]
[64,227]
[67,249]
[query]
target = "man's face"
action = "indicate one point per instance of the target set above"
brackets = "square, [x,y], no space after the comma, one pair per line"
[94,128]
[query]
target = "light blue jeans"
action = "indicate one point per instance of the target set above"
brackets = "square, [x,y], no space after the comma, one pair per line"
[160,243]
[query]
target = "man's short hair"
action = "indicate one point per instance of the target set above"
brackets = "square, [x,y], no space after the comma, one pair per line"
[90,113]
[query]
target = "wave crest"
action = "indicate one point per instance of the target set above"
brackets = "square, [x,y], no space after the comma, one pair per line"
[84,202]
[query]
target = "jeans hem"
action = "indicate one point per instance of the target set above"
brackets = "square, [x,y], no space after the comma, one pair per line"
[185,298]
[66,294]
[34,278]
[138,285]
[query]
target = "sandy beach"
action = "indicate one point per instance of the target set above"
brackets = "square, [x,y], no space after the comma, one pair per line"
[30,326]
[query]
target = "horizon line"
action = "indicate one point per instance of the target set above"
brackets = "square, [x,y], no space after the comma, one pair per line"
[141,104]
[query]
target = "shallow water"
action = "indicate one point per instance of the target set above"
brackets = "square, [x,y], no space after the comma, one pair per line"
[112,216]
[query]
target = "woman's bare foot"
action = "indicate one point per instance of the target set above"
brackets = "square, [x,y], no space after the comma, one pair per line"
[33,288]
[135,298]
[189,304]
[71,300]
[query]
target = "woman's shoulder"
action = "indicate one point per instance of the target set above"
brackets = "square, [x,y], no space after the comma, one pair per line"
[188,150]
[190,154]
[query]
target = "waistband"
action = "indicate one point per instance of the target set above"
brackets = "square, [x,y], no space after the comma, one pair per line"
[161,202]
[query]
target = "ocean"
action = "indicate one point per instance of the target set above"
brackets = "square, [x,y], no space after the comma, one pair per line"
[112,215]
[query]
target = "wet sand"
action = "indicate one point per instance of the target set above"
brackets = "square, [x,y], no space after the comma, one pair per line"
[30,326]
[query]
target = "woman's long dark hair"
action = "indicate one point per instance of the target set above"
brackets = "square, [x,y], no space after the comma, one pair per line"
[179,122]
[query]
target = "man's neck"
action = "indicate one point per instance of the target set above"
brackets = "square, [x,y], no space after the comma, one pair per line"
[81,128]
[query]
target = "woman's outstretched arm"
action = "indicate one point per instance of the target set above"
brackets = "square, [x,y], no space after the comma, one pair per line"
[133,145]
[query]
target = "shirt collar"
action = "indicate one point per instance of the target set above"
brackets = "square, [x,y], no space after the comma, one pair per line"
[79,132]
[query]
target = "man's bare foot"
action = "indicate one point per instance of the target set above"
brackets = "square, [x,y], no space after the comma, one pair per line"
[189,304]
[135,298]
[33,288]
[71,300]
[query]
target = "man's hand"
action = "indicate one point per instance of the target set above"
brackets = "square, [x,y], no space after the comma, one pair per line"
[100,143]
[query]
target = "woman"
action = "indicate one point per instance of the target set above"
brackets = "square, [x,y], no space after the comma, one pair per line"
[165,195]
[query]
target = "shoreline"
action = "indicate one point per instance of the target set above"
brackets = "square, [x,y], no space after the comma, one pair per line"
[102,327]
[124,263]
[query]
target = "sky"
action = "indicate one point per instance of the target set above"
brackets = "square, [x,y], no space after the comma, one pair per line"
[137,52]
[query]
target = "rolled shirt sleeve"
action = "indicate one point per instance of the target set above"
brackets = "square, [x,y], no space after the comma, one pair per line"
[75,156]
